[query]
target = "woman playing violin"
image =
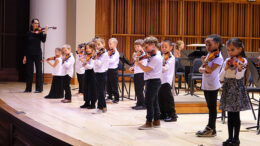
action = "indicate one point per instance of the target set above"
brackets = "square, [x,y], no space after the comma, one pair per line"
[33,55]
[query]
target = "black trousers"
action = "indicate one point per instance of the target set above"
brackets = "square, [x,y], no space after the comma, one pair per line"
[30,60]
[211,99]
[112,83]
[101,84]
[139,88]
[66,82]
[90,90]
[81,82]
[56,87]
[166,100]
[151,99]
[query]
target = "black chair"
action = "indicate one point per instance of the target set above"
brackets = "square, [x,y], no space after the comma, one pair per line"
[179,73]
[195,75]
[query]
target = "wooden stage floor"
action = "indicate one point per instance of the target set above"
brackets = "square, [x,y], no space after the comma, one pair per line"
[119,125]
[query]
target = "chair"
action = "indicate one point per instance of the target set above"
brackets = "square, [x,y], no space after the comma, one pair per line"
[195,74]
[179,75]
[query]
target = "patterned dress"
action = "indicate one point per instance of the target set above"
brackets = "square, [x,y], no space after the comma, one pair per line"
[234,97]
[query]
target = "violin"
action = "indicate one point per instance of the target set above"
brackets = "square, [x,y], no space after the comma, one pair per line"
[52,58]
[166,57]
[42,29]
[99,53]
[111,52]
[66,58]
[210,56]
[235,61]
[89,56]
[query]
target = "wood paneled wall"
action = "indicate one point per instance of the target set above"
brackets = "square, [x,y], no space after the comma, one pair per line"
[188,20]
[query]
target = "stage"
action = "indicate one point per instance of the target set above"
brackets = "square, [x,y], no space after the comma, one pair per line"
[119,125]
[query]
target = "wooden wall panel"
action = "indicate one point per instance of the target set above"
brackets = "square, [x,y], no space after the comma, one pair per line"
[188,20]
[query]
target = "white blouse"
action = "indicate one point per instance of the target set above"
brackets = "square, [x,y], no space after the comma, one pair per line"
[232,73]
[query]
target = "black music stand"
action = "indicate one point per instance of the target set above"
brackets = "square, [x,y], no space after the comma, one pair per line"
[258,121]
[124,61]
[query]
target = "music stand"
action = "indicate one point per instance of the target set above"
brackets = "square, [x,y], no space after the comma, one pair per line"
[124,61]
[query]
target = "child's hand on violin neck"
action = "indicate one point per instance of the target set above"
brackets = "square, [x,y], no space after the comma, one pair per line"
[203,58]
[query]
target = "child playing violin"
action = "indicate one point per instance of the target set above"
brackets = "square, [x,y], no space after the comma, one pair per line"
[101,63]
[80,70]
[139,75]
[112,73]
[67,63]
[152,75]
[90,91]
[58,74]
[234,96]
[210,81]
[166,100]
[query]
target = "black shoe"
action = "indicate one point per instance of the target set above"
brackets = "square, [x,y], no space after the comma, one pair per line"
[115,101]
[235,142]
[140,107]
[91,107]
[228,142]
[163,116]
[85,105]
[109,98]
[37,91]
[207,132]
[170,119]
[27,91]
[133,107]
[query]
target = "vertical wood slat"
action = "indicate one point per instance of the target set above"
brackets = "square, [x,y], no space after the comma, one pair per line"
[189,20]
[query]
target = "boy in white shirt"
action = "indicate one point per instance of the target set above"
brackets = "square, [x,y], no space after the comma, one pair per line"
[166,100]
[139,75]
[152,75]
[112,73]
[80,70]
[101,63]
[68,66]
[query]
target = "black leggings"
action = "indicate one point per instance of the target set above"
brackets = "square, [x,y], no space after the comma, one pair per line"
[233,125]
[211,99]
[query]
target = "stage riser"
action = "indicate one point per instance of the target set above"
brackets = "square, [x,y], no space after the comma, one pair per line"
[192,108]
[16,132]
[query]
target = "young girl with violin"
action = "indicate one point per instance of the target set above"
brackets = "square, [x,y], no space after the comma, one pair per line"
[112,73]
[166,100]
[152,75]
[68,64]
[234,96]
[210,69]
[58,74]
[90,90]
[101,63]
[80,70]
[139,75]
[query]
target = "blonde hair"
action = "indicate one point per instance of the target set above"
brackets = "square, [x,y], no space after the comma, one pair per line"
[178,44]
[139,42]
[113,40]
[100,40]
[66,46]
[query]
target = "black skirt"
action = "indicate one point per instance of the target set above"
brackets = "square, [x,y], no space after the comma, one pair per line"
[56,88]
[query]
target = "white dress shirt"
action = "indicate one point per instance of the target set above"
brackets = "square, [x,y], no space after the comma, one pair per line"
[114,60]
[58,69]
[101,63]
[168,70]
[137,69]
[211,81]
[78,65]
[232,73]
[89,65]
[68,65]
[155,62]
